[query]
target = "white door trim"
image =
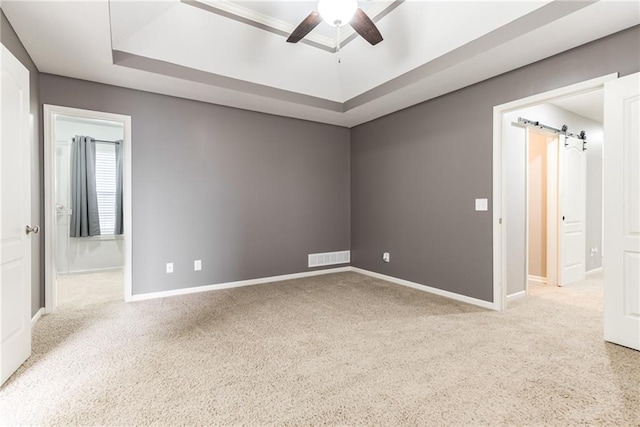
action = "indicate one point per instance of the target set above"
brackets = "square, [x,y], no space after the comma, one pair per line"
[527,219]
[499,211]
[49,191]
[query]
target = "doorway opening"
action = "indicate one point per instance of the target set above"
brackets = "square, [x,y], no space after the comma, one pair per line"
[541,209]
[548,192]
[87,207]
[554,233]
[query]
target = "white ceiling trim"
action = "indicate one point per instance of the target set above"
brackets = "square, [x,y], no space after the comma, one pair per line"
[43,29]
[198,39]
[235,11]
[260,20]
[157,66]
[449,61]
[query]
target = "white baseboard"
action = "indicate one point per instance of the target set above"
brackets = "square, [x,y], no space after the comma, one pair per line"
[594,271]
[240,283]
[91,270]
[37,316]
[262,280]
[537,279]
[436,291]
[516,296]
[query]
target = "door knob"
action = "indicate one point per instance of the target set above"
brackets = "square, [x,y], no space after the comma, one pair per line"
[32,229]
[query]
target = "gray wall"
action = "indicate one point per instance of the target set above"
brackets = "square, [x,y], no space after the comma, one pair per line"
[515,195]
[10,40]
[595,137]
[252,194]
[416,173]
[249,194]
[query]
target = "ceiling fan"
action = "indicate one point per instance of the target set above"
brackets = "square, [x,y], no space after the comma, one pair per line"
[338,13]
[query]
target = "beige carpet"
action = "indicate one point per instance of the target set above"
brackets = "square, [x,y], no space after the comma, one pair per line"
[341,349]
[587,293]
[86,289]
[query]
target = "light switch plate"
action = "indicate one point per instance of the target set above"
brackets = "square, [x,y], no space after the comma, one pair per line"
[482,204]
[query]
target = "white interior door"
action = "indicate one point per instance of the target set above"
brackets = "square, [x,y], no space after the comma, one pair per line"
[572,210]
[15,247]
[622,211]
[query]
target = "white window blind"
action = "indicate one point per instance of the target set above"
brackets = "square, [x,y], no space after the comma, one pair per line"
[106,186]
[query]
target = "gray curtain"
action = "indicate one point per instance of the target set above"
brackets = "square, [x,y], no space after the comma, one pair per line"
[85,220]
[119,223]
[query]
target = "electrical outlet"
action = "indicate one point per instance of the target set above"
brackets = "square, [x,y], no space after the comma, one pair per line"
[197,265]
[594,251]
[169,267]
[386,257]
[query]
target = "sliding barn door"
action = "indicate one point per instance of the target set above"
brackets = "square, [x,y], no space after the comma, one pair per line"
[621,198]
[572,210]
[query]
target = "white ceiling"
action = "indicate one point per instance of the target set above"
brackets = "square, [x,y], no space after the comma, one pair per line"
[589,105]
[206,50]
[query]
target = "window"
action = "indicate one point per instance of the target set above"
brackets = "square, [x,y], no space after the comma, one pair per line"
[106,186]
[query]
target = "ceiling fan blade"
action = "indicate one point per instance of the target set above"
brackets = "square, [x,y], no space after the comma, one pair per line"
[365,27]
[305,27]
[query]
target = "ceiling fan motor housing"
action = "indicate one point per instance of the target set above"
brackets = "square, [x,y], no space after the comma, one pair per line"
[337,12]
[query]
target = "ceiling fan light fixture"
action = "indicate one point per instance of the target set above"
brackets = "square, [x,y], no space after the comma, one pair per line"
[337,12]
